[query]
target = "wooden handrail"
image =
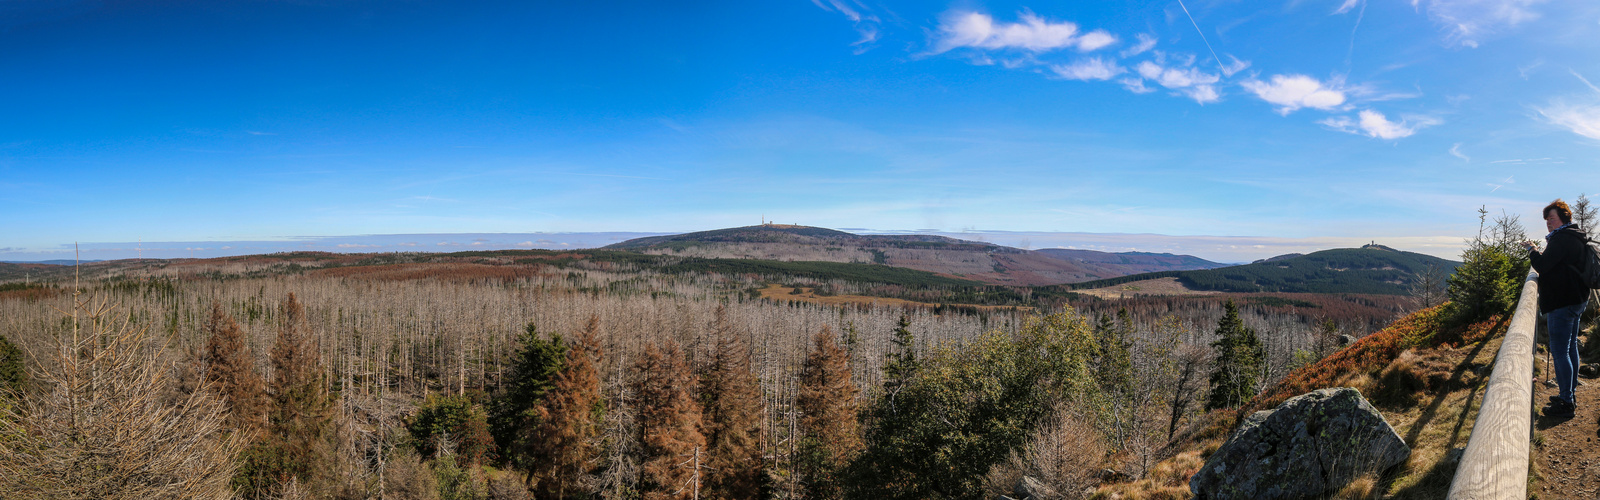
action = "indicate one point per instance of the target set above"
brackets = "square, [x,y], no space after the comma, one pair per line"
[1495,464]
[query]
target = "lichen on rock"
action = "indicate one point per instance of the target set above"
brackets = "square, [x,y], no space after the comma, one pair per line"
[1311,445]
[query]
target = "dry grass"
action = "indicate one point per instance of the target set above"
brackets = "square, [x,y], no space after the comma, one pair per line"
[781,293]
[1158,286]
[1168,479]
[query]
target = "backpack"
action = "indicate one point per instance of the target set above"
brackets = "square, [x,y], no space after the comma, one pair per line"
[1588,267]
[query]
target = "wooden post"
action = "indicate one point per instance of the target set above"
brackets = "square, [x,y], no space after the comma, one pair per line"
[1495,464]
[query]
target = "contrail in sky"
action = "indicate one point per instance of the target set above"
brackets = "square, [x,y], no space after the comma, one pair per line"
[1202,35]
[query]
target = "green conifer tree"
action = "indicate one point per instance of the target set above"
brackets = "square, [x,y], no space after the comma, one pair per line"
[516,408]
[1240,361]
[900,364]
[13,375]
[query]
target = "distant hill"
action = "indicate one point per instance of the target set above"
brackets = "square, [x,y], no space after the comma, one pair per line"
[57,262]
[1373,269]
[1134,262]
[964,259]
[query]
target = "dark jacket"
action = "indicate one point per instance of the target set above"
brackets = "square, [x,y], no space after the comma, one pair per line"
[1559,285]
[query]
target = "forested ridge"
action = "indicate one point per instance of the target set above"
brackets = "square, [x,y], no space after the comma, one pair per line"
[1371,270]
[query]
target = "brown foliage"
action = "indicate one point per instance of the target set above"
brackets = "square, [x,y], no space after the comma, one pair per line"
[302,415]
[733,415]
[673,448]
[232,371]
[101,429]
[566,448]
[827,404]
[827,399]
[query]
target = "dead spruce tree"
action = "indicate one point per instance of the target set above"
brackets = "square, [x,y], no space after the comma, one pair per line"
[99,427]
[231,370]
[565,447]
[827,403]
[297,445]
[672,446]
[731,397]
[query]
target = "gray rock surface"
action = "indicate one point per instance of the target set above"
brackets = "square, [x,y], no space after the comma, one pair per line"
[1311,445]
[1029,488]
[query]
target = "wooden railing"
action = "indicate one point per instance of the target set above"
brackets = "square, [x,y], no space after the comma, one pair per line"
[1495,465]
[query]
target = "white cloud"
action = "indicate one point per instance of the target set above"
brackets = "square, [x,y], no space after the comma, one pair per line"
[1094,68]
[1346,6]
[1455,151]
[1146,42]
[1292,92]
[1135,85]
[1189,81]
[1373,124]
[1031,33]
[1583,120]
[1469,22]
[1095,40]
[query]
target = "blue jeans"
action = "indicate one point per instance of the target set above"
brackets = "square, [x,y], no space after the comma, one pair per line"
[1563,326]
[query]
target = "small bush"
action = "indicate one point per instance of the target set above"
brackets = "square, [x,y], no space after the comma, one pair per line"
[13,375]
[457,417]
[1492,269]
[1064,453]
[407,478]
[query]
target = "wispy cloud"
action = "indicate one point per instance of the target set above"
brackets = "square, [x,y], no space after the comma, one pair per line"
[1583,120]
[1468,22]
[1189,81]
[1094,68]
[1373,124]
[967,29]
[1146,42]
[865,22]
[1346,6]
[1292,92]
[1582,117]
[1455,151]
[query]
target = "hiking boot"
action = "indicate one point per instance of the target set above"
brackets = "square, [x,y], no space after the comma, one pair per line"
[1559,409]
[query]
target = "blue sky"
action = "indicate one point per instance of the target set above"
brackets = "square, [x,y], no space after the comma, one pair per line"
[1283,125]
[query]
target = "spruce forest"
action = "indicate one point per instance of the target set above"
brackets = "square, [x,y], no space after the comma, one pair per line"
[489,376]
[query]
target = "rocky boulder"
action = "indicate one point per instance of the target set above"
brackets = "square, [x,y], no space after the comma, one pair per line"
[1311,445]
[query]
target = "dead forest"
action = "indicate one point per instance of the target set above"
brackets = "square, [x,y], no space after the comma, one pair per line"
[389,346]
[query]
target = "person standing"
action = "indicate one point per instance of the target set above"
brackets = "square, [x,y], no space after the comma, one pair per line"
[1562,298]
